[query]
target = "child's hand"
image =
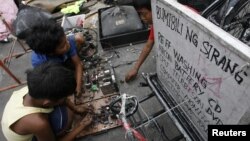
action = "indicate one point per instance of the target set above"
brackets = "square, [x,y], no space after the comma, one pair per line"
[79,92]
[87,120]
[80,40]
[131,75]
[84,109]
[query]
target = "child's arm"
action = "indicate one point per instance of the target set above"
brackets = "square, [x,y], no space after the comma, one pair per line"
[144,54]
[77,130]
[79,109]
[39,126]
[78,72]
[80,40]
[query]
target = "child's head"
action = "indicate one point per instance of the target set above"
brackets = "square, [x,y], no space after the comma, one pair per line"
[51,81]
[48,38]
[144,9]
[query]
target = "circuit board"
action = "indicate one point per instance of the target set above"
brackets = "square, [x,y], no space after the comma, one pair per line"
[103,118]
[100,89]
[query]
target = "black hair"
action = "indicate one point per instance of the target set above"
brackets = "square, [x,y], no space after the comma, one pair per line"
[17,2]
[51,80]
[142,4]
[45,37]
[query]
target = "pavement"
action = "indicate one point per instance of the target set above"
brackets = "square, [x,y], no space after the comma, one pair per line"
[166,129]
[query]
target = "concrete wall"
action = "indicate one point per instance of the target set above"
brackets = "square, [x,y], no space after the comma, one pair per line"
[202,65]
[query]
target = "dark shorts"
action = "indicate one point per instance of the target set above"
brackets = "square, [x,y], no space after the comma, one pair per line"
[58,119]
